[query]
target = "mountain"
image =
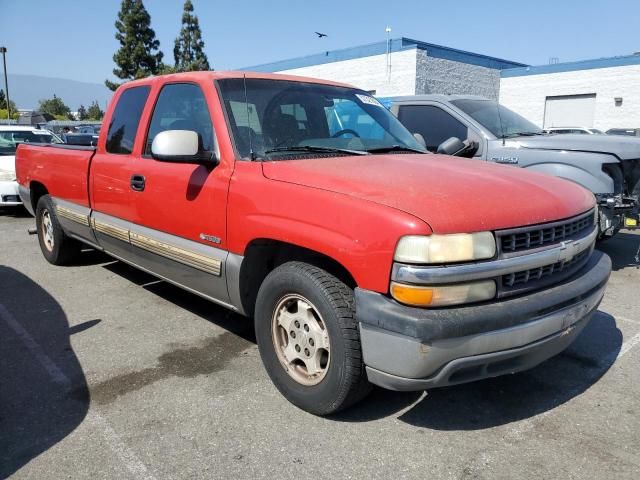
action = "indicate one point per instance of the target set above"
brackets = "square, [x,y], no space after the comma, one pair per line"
[27,90]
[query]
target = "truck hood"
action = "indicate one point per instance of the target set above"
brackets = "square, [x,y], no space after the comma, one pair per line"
[625,148]
[450,194]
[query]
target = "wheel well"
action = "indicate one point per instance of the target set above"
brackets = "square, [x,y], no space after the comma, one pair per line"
[37,190]
[264,255]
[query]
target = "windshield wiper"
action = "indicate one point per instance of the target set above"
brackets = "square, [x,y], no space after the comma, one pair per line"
[394,148]
[314,149]
[523,134]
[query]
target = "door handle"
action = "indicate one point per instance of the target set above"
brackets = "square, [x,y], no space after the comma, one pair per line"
[137,182]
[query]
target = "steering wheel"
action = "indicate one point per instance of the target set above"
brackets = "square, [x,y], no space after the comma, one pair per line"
[346,130]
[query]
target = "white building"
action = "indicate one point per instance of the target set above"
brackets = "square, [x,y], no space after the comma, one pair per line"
[602,93]
[401,67]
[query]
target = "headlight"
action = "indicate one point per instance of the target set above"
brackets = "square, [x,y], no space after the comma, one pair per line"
[7,176]
[458,247]
[443,295]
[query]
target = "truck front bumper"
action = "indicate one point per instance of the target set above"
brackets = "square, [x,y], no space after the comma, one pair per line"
[408,348]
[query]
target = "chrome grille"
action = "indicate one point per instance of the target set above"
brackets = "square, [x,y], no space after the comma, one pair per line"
[526,238]
[523,277]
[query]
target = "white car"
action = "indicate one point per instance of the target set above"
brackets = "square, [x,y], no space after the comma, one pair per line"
[10,137]
[582,130]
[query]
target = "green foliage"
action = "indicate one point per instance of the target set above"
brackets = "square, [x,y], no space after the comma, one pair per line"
[94,112]
[4,113]
[3,104]
[138,55]
[56,107]
[188,51]
[82,113]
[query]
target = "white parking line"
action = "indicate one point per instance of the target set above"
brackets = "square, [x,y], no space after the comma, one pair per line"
[630,320]
[117,445]
[624,349]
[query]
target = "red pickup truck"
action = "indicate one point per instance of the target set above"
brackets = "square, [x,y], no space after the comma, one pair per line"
[306,205]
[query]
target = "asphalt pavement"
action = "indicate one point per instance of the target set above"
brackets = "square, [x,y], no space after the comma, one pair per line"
[106,372]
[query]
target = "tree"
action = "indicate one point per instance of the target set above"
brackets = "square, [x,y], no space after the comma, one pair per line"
[56,107]
[3,104]
[94,112]
[139,55]
[188,51]
[82,113]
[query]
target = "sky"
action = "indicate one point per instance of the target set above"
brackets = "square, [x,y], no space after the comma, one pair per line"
[74,39]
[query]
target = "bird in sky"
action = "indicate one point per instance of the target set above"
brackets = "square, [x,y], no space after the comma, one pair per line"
[320,35]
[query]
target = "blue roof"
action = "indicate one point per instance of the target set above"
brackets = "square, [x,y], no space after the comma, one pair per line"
[572,66]
[379,48]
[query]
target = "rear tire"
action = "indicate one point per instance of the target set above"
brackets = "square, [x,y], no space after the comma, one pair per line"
[56,246]
[316,362]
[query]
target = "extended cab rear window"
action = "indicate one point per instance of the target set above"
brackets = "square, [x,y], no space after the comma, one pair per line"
[125,120]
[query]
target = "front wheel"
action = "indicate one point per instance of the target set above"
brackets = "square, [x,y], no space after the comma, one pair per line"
[309,339]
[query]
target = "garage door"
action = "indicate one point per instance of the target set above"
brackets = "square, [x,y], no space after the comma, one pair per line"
[570,111]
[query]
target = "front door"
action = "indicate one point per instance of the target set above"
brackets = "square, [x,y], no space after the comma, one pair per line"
[179,217]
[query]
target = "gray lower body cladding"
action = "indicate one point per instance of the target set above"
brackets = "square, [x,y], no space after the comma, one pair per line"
[409,348]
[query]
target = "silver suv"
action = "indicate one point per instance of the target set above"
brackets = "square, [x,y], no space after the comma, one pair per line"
[475,127]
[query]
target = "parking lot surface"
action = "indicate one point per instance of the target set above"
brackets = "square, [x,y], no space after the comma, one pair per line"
[106,372]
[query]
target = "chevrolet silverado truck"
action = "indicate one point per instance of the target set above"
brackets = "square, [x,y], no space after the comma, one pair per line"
[362,258]
[608,166]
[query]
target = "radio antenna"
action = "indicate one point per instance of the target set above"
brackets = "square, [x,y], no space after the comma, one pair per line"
[497,94]
[252,154]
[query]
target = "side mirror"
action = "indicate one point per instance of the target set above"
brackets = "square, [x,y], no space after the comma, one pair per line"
[420,139]
[451,146]
[180,146]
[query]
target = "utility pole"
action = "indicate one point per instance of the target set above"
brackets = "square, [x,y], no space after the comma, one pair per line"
[388,31]
[3,51]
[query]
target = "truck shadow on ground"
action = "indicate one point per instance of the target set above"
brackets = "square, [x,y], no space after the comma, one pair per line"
[15,212]
[220,316]
[622,249]
[502,400]
[38,372]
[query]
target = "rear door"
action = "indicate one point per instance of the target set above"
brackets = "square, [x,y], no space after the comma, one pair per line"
[111,170]
[179,209]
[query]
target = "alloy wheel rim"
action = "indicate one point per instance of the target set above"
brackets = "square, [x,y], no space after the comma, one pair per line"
[301,339]
[47,231]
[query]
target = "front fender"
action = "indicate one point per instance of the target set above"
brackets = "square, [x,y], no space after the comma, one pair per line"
[582,168]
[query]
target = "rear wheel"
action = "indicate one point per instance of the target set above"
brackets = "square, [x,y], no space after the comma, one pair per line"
[56,246]
[309,340]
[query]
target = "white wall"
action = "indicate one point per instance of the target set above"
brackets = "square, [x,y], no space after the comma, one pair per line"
[369,73]
[527,94]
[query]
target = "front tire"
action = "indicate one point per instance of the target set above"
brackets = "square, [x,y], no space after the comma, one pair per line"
[309,339]
[56,246]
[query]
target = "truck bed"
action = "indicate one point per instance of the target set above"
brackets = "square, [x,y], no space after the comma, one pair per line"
[62,168]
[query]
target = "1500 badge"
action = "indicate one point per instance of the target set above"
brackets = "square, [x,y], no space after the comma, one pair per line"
[511,160]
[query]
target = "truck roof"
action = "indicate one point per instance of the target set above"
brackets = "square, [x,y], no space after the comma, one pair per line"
[218,75]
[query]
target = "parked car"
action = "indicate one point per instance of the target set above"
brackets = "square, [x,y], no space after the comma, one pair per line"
[578,130]
[10,137]
[607,166]
[87,139]
[627,132]
[91,129]
[257,192]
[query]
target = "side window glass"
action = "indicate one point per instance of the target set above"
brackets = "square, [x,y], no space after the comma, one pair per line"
[125,120]
[182,106]
[433,123]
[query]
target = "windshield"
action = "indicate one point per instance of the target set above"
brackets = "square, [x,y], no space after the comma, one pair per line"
[499,120]
[9,140]
[283,118]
